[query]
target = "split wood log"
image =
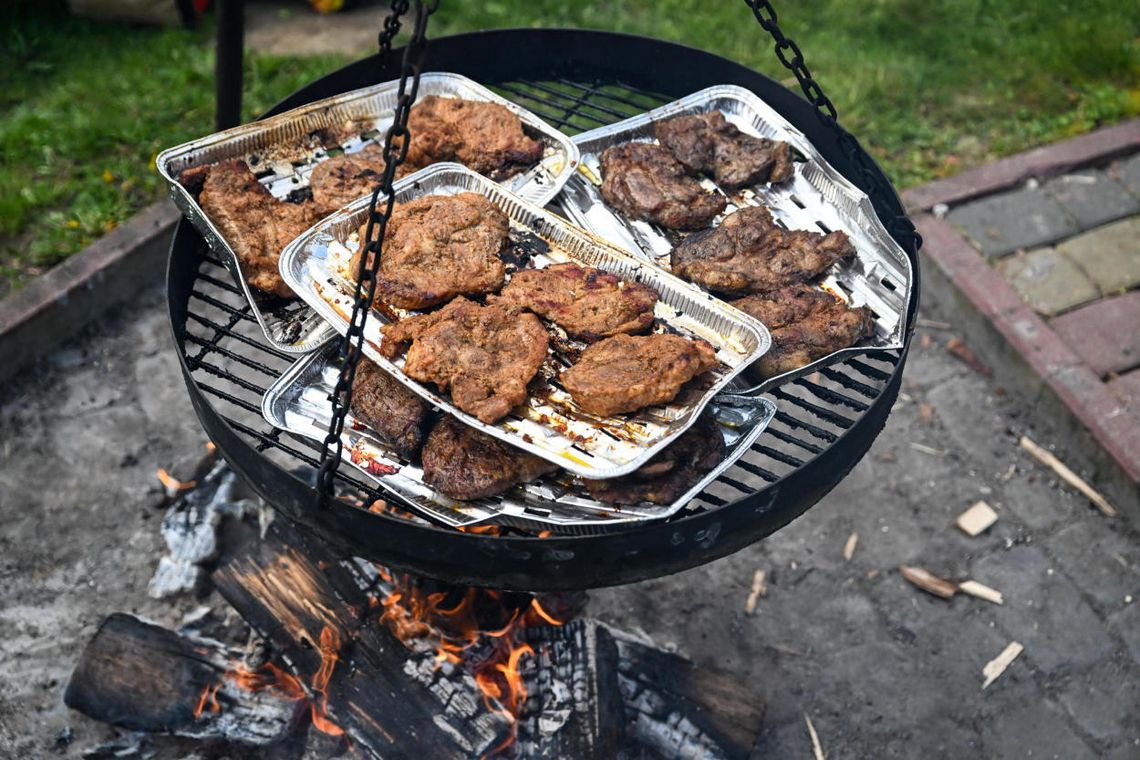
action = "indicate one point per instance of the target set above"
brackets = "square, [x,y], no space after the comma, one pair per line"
[298,595]
[574,707]
[143,677]
[680,710]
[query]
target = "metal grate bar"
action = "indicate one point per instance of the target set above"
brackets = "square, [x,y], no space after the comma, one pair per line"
[850,384]
[241,314]
[228,332]
[578,100]
[793,440]
[830,396]
[824,414]
[238,381]
[779,456]
[555,120]
[811,429]
[236,357]
[868,370]
[241,403]
[757,470]
[734,484]
[596,89]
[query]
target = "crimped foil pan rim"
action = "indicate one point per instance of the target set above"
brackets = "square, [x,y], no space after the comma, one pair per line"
[608,517]
[816,172]
[297,254]
[318,333]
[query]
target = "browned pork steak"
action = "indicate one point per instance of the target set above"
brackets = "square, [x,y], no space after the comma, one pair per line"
[255,224]
[464,463]
[586,302]
[438,247]
[749,253]
[806,324]
[644,181]
[486,355]
[665,477]
[628,372]
[484,137]
[710,143]
[382,403]
[342,179]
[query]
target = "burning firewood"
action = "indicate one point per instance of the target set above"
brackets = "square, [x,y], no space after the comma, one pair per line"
[143,677]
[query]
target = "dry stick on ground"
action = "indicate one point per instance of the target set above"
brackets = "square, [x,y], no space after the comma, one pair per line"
[995,667]
[1056,465]
[928,581]
[143,677]
[816,747]
[975,589]
[759,588]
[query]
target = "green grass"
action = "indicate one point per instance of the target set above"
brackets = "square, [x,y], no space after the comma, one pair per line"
[930,86]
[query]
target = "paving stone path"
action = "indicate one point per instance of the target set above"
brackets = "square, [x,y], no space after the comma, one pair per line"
[883,669]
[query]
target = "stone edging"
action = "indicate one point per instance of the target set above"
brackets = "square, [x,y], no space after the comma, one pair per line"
[1094,147]
[58,305]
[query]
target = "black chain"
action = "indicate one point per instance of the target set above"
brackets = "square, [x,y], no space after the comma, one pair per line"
[391,29]
[873,181]
[351,346]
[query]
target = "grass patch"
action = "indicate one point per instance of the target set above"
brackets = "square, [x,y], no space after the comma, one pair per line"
[929,86]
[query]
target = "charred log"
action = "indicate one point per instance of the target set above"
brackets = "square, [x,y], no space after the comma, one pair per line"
[573,708]
[143,677]
[311,607]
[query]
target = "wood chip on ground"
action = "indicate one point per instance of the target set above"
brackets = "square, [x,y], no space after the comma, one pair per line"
[1056,465]
[759,588]
[926,414]
[995,667]
[977,519]
[928,581]
[963,352]
[849,547]
[981,591]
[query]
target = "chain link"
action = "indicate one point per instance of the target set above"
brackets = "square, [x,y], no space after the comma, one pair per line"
[391,28]
[870,179]
[395,151]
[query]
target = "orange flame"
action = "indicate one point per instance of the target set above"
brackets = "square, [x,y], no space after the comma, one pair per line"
[173,484]
[209,698]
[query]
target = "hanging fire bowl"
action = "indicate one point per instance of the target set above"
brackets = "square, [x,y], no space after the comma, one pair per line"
[576,81]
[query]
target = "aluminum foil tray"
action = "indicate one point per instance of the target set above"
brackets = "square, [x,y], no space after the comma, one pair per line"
[300,402]
[818,198]
[549,425]
[283,150]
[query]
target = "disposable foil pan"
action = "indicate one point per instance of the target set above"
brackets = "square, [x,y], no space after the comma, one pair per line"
[549,425]
[819,198]
[283,150]
[300,402]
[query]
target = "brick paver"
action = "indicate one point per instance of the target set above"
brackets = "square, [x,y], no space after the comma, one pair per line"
[1127,387]
[1106,334]
[1005,223]
[1050,282]
[1110,255]
[1092,198]
[1127,172]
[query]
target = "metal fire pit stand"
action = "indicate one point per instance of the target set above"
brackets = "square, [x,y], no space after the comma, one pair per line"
[576,80]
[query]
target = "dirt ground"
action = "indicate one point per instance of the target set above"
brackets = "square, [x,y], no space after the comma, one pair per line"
[882,669]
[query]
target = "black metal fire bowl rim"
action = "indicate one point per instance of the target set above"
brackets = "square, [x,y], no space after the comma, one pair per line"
[668,70]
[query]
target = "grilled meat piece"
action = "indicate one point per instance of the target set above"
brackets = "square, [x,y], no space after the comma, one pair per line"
[588,303]
[666,476]
[484,137]
[382,403]
[438,247]
[644,181]
[806,324]
[342,179]
[485,354]
[710,143]
[750,253]
[463,463]
[625,373]
[255,224]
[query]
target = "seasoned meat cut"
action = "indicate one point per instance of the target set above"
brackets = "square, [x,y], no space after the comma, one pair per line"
[665,477]
[342,179]
[484,137]
[644,181]
[486,355]
[438,247]
[749,253]
[627,372]
[588,303]
[464,463]
[709,143]
[382,403]
[255,224]
[806,324]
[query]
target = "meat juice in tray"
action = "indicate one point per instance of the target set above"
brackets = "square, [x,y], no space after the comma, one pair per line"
[816,198]
[283,150]
[300,403]
[548,424]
